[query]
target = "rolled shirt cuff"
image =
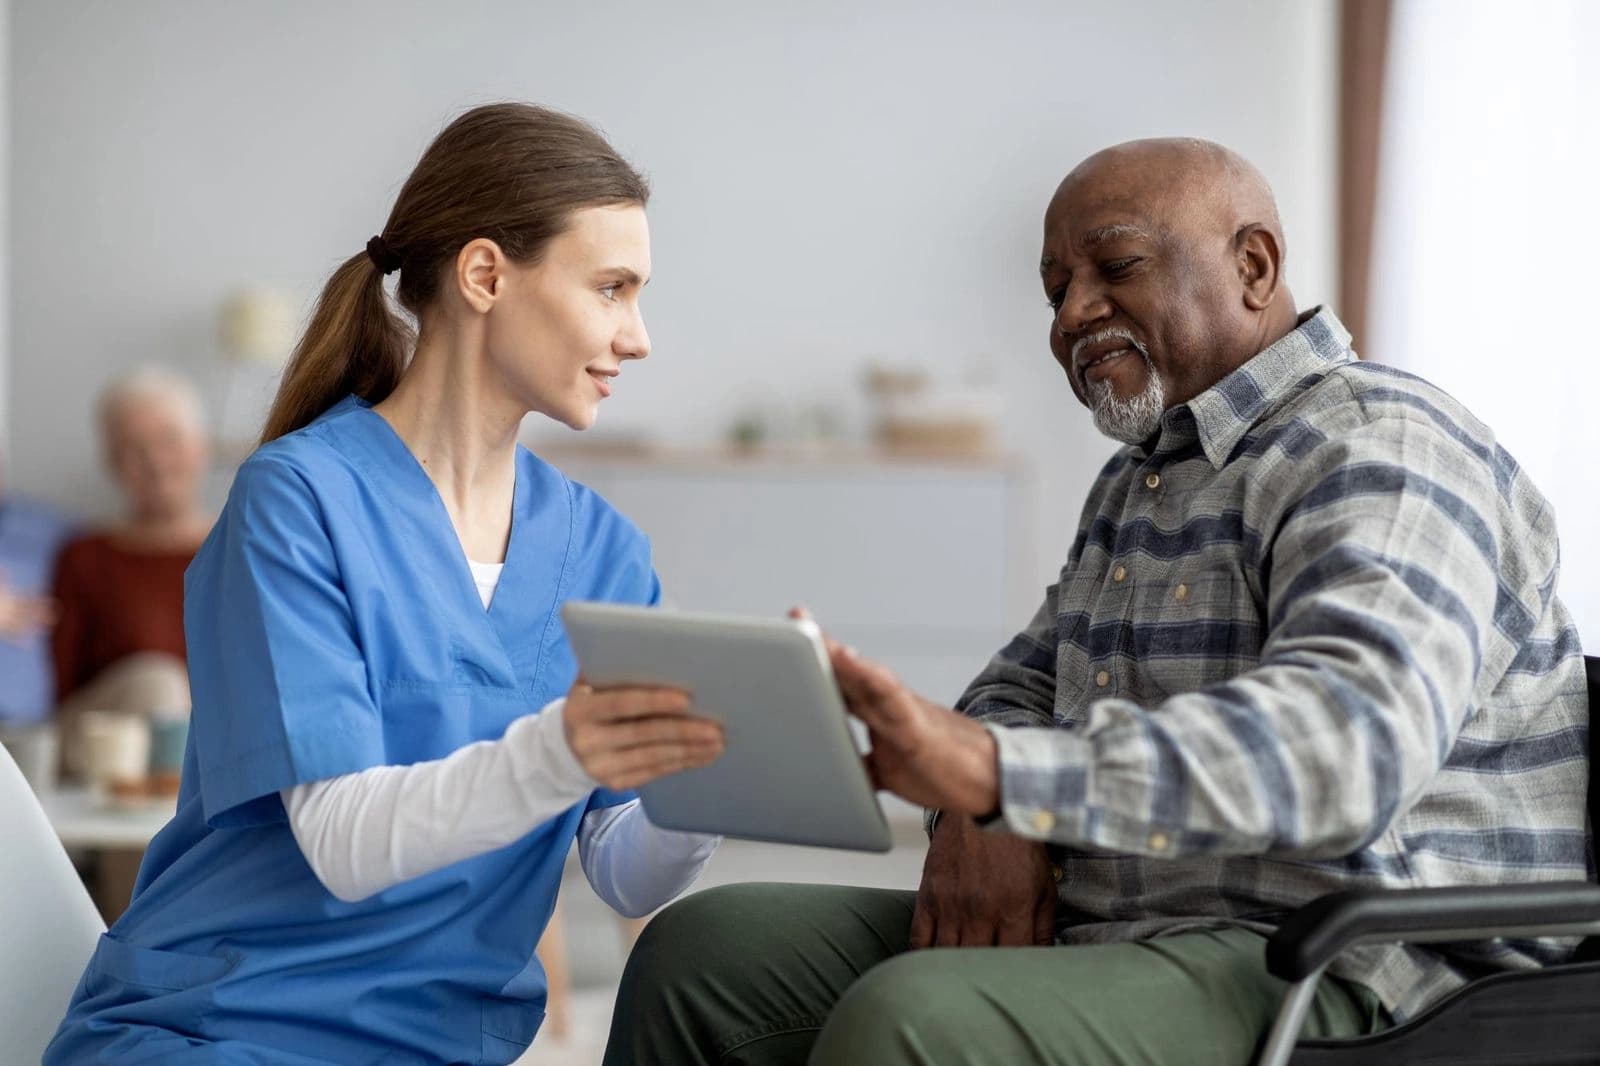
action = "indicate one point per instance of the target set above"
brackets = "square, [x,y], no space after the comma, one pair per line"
[1047,793]
[1044,783]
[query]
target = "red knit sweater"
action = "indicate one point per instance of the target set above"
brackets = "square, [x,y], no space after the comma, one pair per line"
[114,601]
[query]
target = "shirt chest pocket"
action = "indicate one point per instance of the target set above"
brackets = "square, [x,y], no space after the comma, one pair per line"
[1188,630]
[149,968]
[167,988]
[423,721]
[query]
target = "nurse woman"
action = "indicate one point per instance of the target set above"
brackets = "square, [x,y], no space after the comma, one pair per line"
[389,756]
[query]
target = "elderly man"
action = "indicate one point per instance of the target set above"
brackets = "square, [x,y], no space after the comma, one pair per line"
[1307,639]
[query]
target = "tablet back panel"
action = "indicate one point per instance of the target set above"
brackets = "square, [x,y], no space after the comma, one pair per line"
[790,772]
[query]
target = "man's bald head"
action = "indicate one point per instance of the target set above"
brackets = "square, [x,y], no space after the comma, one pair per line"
[1181,181]
[1171,248]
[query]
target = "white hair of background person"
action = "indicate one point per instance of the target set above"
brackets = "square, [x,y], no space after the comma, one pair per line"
[152,383]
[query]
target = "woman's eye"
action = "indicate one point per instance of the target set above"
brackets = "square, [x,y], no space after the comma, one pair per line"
[610,291]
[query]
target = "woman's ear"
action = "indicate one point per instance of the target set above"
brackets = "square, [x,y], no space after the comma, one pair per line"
[480,273]
[1260,262]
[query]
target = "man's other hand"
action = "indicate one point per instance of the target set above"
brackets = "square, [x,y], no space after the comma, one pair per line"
[983,890]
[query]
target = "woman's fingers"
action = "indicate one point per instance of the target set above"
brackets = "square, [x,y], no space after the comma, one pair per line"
[620,748]
[623,734]
[626,736]
[617,704]
[632,767]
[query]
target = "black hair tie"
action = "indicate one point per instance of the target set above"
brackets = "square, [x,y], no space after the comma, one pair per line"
[382,256]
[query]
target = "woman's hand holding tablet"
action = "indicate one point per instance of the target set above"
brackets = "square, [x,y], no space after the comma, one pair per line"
[626,736]
[791,771]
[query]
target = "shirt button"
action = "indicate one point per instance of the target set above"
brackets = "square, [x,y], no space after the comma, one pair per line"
[1159,841]
[1043,821]
[1152,481]
[1181,593]
[1103,678]
[1057,872]
[1119,573]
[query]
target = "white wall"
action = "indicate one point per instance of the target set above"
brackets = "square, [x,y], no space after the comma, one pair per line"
[1475,248]
[833,182]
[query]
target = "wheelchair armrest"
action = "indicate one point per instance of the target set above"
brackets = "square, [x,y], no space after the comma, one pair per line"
[1312,936]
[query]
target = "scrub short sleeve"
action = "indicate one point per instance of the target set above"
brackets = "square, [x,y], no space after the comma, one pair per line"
[280,688]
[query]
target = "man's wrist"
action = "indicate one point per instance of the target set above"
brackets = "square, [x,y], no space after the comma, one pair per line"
[992,813]
[981,779]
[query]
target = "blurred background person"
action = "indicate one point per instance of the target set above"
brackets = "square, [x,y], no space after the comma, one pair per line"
[118,641]
[31,534]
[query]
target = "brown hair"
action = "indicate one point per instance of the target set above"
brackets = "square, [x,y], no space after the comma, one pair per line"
[510,172]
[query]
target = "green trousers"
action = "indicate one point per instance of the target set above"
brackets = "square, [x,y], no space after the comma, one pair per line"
[777,974]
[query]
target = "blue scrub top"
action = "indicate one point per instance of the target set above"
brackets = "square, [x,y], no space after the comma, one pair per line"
[333,625]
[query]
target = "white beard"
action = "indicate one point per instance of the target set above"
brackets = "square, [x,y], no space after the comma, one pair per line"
[1135,419]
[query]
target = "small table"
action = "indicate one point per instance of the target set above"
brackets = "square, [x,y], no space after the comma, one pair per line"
[83,820]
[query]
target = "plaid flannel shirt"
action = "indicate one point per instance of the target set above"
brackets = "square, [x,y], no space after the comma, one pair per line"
[1308,642]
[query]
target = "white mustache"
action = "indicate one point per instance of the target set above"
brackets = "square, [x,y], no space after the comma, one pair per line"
[1115,333]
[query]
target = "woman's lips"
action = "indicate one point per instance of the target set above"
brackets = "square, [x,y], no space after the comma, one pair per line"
[601,382]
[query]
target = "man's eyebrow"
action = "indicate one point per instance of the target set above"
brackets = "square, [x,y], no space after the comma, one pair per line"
[1102,235]
[1113,232]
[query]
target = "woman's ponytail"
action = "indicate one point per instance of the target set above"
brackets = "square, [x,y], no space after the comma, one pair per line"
[354,343]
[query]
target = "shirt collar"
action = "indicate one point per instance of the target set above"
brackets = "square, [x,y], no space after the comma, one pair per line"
[1220,416]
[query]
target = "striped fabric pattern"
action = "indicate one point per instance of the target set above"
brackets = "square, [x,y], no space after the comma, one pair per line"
[1309,642]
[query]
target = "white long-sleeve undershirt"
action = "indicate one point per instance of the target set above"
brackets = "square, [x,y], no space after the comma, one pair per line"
[368,831]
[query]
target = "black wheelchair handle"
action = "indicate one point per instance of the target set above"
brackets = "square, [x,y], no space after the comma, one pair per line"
[1312,936]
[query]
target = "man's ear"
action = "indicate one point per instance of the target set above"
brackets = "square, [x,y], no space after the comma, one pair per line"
[480,273]
[1260,262]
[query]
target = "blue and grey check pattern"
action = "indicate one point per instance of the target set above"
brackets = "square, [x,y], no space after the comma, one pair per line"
[1309,642]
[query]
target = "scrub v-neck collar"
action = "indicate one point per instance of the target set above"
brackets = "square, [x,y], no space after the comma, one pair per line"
[527,595]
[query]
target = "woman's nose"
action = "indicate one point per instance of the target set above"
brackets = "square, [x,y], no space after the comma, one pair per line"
[634,341]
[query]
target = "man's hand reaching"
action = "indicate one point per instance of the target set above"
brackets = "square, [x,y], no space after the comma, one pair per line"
[921,751]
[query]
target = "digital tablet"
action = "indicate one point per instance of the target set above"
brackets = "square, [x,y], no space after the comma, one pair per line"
[790,772]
